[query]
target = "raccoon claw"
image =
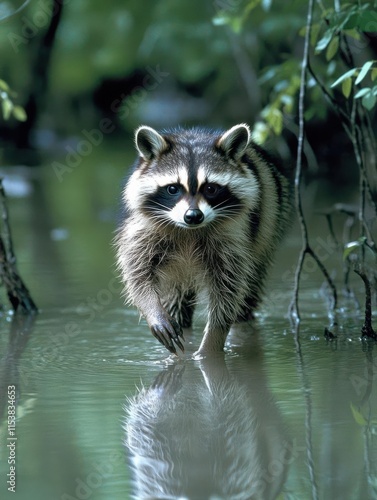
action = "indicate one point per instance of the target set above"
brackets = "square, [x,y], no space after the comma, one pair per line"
[179,343]
[167,330]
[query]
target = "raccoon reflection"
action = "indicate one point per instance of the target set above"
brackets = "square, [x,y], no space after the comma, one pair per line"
[213,433]
[204,213]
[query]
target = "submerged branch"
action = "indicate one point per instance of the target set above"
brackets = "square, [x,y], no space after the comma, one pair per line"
[17,292]
[367,329]
[307,393]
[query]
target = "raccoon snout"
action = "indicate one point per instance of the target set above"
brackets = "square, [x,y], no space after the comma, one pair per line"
[193,216]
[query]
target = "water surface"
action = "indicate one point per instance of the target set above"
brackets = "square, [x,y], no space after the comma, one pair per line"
[103,411]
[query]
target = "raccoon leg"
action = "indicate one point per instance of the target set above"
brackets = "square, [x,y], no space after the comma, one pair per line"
[227,288]
[187,309]
[214,338]
[139,272]
[180,305]
[247,311]
[162,325]
[253,297]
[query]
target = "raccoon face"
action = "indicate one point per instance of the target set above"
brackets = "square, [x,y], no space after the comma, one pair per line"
[192,178]
[175,203]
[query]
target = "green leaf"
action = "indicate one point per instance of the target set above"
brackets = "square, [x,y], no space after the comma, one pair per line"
[373,74]
[251,6]
[363,72]
[221,19]
[324,41]
[236,24]
[362,21]
[260,132]
[268,75]
[353,246]
[316,28]
[332,48]
[7,107]
[19,113]
[347,87]
[347,74]
[287,102]
[331,67]
[4,86]
[359,418]
[275,120]
[353,33]
[369,101]
[362,92]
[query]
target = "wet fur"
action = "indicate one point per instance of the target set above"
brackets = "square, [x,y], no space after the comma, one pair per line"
[167,267]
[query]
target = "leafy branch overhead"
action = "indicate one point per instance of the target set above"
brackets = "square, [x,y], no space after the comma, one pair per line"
[332,29]
[332,71]
[368,95]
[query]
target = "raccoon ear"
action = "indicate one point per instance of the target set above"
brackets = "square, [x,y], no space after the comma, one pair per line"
[149,143]
[235,141]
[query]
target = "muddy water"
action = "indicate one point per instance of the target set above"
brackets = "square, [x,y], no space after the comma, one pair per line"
[104,413]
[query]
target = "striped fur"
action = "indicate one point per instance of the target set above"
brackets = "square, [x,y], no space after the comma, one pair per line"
[205,211]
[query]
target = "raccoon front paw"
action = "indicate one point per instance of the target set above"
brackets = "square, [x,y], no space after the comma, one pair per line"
[166,330]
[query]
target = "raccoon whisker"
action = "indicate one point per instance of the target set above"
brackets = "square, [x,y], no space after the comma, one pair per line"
[161,218]
[229,207]
[157,222]
[225,213]
[154,202]
[221,203]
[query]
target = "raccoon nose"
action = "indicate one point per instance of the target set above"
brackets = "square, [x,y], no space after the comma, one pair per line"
[193,216]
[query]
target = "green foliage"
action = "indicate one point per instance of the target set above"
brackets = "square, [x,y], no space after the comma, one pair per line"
[368,95]
[353,248]
[236,19]
[281,81]
[96,41]
[8,107]
[358,416]
[349,21]
[284,82]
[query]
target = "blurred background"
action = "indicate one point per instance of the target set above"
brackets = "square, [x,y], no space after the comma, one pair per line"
[76,78]
[72,64]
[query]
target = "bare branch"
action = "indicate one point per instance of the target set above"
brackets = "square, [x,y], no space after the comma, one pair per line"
[18,294]
[306,248]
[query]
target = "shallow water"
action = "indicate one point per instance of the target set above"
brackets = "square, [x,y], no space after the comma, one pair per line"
[104,413]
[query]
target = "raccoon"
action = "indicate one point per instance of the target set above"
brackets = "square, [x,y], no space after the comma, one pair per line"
[204,211]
